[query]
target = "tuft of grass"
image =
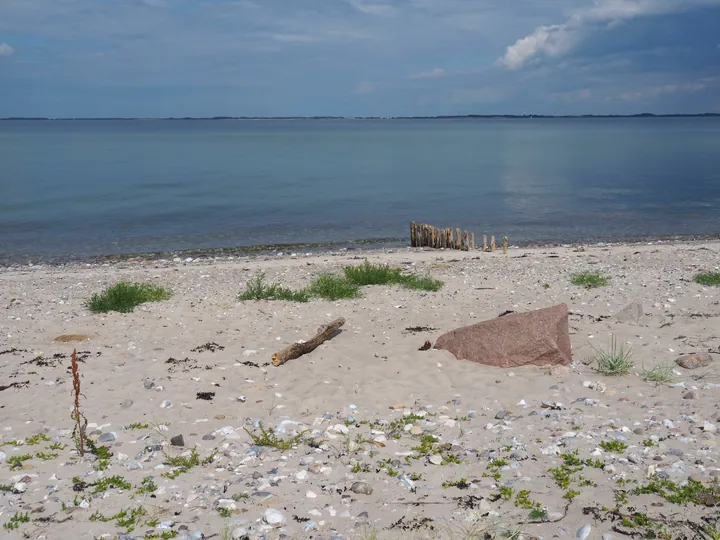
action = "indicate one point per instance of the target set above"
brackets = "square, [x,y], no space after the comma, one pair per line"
[589,280]
[331,287]
[268,437]
[614,361]
[16,520]
[658,374]
[184,464]
[709,279]
[16,462]
[124,297]
[258,289]
[382,274]
[112,482]
[373,274]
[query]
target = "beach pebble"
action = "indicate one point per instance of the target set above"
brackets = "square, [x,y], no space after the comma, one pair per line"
[107,437]
[273,517]
[166,404]
[583,532]
[126,403]
[148,385]
[177,440]
[694,361]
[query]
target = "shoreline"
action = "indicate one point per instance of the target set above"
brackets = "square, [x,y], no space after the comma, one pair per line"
[370,246]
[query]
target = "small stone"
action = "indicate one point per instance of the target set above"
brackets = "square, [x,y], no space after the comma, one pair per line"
[435,459]
[694,361]
[692,394]
[583,532]
[501,415]
[361,488]
[273,517]
[126,403]
[134,465]
[166,404]
[397,406]
[639,431]
[416,430]
[3,456]
[107,437]
[177,440]
[148,385]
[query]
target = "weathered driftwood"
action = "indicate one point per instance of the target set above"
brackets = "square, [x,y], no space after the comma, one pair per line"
[424,235]
[296,350]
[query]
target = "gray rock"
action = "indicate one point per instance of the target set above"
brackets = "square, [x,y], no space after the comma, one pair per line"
[148,385]
[273,517]
[361,488]
[501,415]
[692,394]
[107,437]
[134,465]
[126,403]
[632,313]
[3,456]
[177,440]
[166,404]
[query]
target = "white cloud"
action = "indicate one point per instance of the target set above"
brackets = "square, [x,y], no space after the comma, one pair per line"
[5,49]
[549,40]
[296,38]
[671,89]
[364,88]
[432,74]
[556,40]
[379,10]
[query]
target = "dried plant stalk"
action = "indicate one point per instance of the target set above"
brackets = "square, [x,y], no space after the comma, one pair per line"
[77,415]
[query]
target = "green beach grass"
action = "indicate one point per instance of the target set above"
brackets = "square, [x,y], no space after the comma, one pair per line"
[124,297]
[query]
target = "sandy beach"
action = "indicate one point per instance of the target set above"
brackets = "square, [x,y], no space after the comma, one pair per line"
[393,442]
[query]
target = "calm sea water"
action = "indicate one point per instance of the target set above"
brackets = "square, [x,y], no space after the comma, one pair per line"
[83,188]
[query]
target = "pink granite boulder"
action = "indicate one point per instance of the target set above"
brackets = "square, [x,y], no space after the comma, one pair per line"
[538,338]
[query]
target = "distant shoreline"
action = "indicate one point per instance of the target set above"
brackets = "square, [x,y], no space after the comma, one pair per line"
[442,117]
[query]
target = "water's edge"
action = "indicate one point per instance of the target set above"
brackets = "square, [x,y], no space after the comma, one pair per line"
[360,245]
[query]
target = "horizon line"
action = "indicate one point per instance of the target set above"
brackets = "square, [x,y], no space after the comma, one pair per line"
[330,117]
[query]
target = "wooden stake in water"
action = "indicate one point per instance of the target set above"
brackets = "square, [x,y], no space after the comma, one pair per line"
[505,245]
[492,244]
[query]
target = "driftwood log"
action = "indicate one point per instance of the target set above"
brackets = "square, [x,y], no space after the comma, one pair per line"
[296,350]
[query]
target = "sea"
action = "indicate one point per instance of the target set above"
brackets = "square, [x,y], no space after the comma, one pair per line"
[83,189]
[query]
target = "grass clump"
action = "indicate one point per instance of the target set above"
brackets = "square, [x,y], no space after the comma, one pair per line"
[614,361]
[658,374]
[709,279]
[258,289]
[382,274]
[691,492]
[184,464]
[124,297]
[332,287]
[268,437]
[112,482]
[16,462]
[589,280]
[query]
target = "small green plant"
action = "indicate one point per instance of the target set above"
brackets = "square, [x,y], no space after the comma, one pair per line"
[258,289]
[523,500]
[184,463]
[127,519]
[709,279]
[691,492]
[570,494]
[331,287]
[124,297]
[648,443]
[5,488]
[46,456]
[147,486]
[538,514]
[224,512]
[616,447]
[102,453]
[16,520]
[658,374]
[506,492]
[136,425]
[57,446]
[268,437]
[37,439]
[240,497]
[112,482]
[16,462]
[615,361]
[164,535]
[422,283]
[460,484]
[589,279]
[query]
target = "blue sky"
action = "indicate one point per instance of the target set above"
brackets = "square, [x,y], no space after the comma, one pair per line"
[155,58]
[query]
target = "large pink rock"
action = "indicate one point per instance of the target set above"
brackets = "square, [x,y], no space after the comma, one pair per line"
[537,338]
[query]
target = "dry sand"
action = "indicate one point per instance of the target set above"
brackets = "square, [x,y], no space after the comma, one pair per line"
[490,424]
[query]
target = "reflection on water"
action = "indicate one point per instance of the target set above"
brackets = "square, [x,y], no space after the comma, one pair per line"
[87,188]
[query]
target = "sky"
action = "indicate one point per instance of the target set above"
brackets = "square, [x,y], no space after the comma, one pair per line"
[158,58]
